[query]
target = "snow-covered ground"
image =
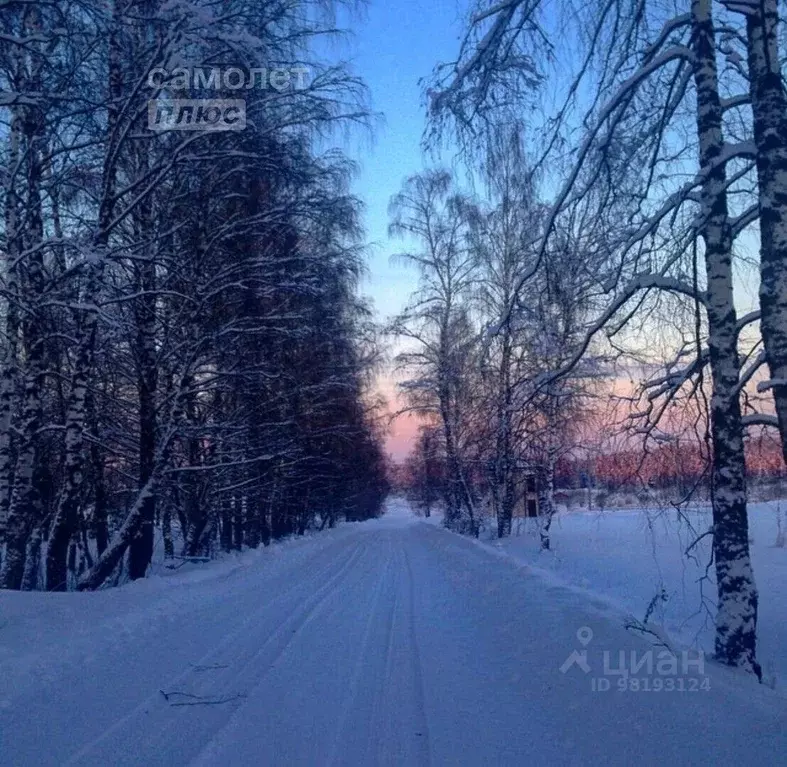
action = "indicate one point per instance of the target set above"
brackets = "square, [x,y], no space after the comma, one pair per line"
[390,642]
[628,557]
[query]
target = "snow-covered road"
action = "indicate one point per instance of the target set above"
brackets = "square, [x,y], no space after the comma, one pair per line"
[391,642]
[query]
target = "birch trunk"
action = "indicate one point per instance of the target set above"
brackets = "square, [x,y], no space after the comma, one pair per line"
[64,525]
[253,509]
[24,507]
[141,552]
[8,375]
[546,502]
[451,498]
[736,620]
[225,518]
[457,496]
[769,109]
[166,531]
[504,487]
[32,560]
[100,528]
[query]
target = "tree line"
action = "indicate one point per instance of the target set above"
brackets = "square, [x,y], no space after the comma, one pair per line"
[186,362]
[651,179]
[492,432]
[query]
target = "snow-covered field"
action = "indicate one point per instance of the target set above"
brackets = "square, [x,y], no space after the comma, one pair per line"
[629,557]
[390,642]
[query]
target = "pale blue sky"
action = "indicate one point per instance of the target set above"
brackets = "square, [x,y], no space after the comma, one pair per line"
[394,45]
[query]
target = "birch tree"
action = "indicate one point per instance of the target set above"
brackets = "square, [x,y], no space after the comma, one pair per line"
[651,81]
[768,101]
[435,322]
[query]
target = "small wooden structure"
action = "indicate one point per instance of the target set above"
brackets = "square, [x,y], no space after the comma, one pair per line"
[529,504]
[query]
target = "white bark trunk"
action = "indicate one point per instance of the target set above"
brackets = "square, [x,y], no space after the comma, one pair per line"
[736,620]
[769,108]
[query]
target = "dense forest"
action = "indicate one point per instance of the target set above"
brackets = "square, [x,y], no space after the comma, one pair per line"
[185,359]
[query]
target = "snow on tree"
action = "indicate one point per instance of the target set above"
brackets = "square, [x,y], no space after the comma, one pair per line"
[657,151]
[182,331]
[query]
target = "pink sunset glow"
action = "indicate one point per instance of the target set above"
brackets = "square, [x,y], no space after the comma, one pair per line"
[403,428]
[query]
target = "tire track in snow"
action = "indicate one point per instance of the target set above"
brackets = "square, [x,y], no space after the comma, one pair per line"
[204,722]
[365,650]
[385,733]
[417,665]
[401,737]
[383,720]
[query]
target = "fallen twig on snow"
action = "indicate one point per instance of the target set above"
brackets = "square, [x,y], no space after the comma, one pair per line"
[200,700]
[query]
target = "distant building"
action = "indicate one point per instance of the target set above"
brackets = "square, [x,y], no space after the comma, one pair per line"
[529,504]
